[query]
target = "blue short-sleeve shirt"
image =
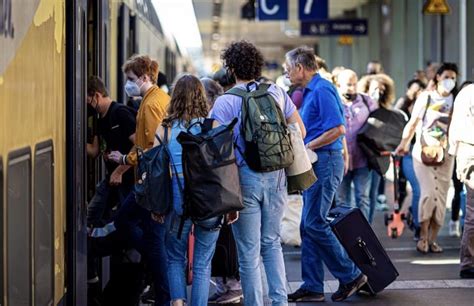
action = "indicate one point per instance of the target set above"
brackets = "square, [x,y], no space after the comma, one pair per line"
[321,111]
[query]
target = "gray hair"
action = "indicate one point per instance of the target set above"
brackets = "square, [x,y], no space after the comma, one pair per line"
[304,56]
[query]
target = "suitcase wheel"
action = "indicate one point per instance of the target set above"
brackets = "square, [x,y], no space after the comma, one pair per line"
[394,233]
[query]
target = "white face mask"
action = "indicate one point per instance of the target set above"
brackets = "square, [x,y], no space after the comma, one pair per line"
[375,95]
[448,84]
[132,89]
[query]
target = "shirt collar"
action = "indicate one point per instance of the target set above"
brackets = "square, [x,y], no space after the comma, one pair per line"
[313,82]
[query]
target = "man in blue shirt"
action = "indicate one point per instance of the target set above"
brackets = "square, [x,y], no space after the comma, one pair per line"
[322,115]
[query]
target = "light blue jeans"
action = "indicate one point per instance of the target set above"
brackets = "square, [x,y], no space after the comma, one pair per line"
[319,244]
[409,172]
[257,233]
[361,179]
[205,237]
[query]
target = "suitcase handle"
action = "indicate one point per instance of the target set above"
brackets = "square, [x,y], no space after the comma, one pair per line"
[361,243]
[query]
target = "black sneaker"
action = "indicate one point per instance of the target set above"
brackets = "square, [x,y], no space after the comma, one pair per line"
[305,295]
[467,273]
[345,291]
[416,236]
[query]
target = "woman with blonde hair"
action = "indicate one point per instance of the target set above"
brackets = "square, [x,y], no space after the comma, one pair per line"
[188,105]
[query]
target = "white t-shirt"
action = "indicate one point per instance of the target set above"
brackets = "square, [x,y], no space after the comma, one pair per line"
[435,124]
[462,122]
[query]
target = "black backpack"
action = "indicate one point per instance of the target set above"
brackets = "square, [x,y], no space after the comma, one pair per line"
[211,176]
[380,135]
[263,127]
[153,187]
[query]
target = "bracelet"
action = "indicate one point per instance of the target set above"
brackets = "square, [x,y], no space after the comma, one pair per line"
[124,159]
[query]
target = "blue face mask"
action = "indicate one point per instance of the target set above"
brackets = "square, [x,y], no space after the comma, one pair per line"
[132,89]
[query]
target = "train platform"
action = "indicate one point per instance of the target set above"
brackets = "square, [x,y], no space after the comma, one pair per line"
[431,279]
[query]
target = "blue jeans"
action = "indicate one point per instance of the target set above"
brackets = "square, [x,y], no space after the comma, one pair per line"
[257,233]
[319,244]
[205,237]
[361,179]
[375,179]
[148,237]
[97,208]
[407,165]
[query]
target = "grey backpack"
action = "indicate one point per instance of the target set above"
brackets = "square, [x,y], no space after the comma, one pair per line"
[264,129]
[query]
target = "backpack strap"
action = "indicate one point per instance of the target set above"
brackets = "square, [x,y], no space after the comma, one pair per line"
[207,125]
[364,99]
[235,91]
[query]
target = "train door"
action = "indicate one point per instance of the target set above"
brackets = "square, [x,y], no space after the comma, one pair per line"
[76,231]
[97,64]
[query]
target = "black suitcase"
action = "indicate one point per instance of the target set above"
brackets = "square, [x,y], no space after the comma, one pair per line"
[225,261]
[356,236]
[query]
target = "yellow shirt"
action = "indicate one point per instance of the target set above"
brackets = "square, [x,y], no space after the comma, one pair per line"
[151,113]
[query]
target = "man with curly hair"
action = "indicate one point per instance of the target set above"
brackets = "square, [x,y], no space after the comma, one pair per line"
[323,117]
[257,232]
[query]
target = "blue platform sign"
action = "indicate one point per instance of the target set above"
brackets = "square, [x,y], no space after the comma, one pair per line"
[273,9]
[330,27]
[313,10]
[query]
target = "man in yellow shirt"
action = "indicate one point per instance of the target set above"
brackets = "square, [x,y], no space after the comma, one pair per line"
[144,233]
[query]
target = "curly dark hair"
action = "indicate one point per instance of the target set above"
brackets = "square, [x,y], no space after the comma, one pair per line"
[243,59]
[188,101]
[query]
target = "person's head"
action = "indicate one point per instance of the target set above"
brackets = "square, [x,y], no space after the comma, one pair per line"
[213,90]
[382,89]
[96,93]
[300,65]
[414,88]
[430,69]
[243,60]
[188,101]
[421,76]
[346,84]
[141,73]
[445,78]
[224,78]
[374,67]
[335,72]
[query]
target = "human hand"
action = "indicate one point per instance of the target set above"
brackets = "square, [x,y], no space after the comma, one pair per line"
[232,217]
[116,156]
[158,218]
[116,178]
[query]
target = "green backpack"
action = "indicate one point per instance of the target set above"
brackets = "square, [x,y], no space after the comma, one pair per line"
[263,127]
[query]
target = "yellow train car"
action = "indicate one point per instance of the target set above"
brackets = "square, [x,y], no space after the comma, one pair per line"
[47,50]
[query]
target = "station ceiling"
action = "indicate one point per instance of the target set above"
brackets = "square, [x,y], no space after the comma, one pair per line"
[273,38]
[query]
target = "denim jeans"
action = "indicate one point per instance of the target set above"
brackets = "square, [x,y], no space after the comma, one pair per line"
[407,165]
[361,179]
[375,179]
[205,237]
[148,237]
[96,210]
[257,233]
[319,244]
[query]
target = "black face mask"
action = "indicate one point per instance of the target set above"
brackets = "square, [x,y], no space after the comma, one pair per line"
[349,96]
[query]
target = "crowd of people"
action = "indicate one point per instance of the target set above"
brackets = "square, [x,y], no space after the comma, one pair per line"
[330,110]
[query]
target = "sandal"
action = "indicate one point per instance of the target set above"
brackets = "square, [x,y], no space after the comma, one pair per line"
[435,248]
[422,246]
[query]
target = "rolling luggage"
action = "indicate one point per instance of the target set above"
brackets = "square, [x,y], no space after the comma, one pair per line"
[356,236]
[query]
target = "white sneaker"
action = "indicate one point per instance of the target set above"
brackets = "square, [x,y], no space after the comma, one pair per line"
[454,229]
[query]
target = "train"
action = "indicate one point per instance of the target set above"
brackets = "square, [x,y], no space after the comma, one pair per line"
[48,48]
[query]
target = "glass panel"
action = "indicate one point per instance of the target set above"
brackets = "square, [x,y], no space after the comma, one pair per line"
[43,224]
[19,228]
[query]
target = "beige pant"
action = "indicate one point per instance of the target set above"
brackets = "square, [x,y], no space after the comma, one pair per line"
[434,185]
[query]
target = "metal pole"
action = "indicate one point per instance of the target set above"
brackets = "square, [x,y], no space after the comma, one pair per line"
[463,39]
[420,37]
[441,38]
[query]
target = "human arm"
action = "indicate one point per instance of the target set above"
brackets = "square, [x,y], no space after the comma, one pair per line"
[93,148]
[326,138]
[116,176]
[410,128]
[345,155]
[296,118]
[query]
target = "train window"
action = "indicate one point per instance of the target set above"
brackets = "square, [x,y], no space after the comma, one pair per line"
[19,227]
[43,225]
[1,230]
